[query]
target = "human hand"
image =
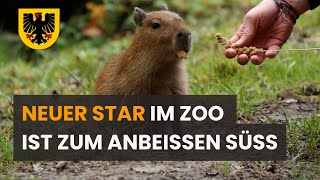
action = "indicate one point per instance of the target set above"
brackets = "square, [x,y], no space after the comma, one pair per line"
[263,27]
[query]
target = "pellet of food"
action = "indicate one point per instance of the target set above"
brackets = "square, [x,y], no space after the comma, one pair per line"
[182,54]
[240,50]
[252,53]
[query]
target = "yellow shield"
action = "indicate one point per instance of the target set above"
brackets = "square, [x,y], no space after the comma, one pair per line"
[38,27]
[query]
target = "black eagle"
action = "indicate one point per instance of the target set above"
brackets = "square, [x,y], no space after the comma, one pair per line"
[38,27]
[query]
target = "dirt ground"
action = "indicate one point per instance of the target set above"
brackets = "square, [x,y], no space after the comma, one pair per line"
[154,170]
[279,111]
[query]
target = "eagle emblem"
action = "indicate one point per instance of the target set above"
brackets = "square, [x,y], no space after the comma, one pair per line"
[39,28]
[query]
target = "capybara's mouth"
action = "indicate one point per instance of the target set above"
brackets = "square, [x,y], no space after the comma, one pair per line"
[182,54]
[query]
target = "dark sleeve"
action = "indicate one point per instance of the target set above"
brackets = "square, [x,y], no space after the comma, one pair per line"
[314,3]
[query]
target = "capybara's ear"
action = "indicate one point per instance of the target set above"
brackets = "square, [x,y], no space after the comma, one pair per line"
[138,16]
[164,7]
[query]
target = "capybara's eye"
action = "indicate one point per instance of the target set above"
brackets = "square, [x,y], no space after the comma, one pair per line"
[155,25]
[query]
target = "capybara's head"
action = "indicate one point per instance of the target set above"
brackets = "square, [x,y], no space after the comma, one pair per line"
[162,29]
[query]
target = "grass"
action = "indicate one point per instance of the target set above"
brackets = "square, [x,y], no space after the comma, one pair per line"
[225,167]
[6,150]
[305,171]
[303,138]
[71,68]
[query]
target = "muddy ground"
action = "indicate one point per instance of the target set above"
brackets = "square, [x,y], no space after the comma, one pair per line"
[285,108]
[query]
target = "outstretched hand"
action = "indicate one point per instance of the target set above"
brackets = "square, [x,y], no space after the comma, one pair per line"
[263,27]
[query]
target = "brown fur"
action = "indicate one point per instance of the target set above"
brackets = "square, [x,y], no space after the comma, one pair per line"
[150,66]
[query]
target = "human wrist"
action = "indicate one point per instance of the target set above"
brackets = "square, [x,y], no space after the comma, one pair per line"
[301,6]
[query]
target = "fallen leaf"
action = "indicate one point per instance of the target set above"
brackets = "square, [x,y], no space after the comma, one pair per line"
[289,101]
[61,165]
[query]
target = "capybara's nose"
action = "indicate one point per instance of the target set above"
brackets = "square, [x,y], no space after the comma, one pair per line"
[184,35]
[184,39]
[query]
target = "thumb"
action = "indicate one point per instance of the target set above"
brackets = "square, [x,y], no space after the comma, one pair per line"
[248,31]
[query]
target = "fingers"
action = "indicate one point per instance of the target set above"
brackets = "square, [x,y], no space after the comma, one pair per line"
[235,38]
[257,59]
[272,51]
[248,30]
[230,53]
[243,59]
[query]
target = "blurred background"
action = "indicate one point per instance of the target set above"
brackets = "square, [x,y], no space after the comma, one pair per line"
[92,32]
